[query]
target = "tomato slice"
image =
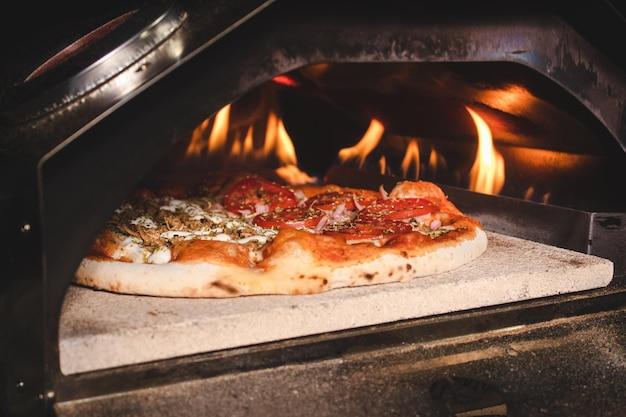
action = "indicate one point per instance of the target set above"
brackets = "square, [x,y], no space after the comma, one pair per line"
[372,231]
[364,197]
[331,200]
[396,209]
[248,192]
[296,218]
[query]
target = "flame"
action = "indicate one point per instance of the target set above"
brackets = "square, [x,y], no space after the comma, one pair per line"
[528,194]
[248,145]
[432,160]
[278,142]
[382,164]
[196,145]
[217,136]
[219,132]
[285,151]
[436,162]
[293,175]
[545,199]
[277,147]
[411,157]
[235,150]
[487,173]
[368,142]
[286,154]
[270,134]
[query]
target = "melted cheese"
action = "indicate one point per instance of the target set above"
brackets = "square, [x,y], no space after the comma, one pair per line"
[220,225]
[161,255]
[217,234]
[216,224]
[131,249]
[144,221]
[194,211]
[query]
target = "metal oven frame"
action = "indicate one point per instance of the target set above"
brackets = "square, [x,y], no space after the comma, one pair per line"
[102,128]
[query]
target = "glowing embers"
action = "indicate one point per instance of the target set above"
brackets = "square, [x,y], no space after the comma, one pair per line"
[285,80]
[256,144]
[487,173]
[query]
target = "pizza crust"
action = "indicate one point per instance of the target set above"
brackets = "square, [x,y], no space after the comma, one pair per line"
[295,270]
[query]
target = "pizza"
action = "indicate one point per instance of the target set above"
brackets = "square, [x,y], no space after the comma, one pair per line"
[248,236]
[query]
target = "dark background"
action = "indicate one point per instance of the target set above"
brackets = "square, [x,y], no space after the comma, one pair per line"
[31,32]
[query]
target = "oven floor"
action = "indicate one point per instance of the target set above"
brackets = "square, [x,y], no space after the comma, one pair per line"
[103,330]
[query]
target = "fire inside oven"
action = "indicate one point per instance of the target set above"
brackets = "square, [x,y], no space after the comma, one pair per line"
[494,128]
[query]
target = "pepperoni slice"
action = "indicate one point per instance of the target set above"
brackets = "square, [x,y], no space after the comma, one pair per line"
[296,218]
[396,209]
[248,192]
[372,231]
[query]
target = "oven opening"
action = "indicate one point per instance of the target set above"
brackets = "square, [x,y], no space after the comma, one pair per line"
[490,128]
[493,130]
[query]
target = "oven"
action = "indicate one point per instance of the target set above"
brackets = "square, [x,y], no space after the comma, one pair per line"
[516,110]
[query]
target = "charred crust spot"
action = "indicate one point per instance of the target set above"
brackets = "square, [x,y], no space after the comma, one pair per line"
[226,287]
[408,267]
[369,277]
[324,281]
[404,254]
[301,276]
[390,273]
[576,262]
